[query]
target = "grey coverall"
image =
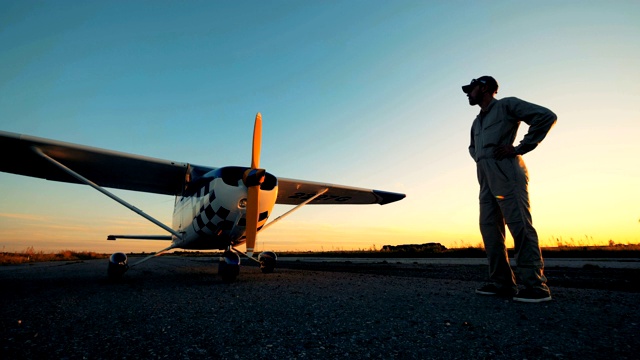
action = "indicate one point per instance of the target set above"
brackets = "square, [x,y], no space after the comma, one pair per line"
[503,188]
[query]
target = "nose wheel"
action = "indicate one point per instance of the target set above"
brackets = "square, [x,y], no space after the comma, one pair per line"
[229,266]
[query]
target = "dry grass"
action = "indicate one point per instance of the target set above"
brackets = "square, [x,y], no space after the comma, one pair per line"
[29,255]
[617,247]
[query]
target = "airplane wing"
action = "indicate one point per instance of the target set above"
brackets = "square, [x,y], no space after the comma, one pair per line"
[104,167]
[294,192]
[120,170]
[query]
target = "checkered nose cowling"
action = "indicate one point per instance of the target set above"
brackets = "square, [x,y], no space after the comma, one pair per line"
[221,210]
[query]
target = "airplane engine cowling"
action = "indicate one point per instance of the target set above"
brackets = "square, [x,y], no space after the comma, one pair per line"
[118,265]
[268,260]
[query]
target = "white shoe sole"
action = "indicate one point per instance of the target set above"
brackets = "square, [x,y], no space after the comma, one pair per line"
[527,300]
[485,293]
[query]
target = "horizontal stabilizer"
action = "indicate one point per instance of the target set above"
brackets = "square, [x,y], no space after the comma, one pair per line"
[140,237]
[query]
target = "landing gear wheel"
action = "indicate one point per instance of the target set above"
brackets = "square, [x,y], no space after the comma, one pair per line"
[268,260]
[229,266]
[118,265]
[267,266]
[228,272]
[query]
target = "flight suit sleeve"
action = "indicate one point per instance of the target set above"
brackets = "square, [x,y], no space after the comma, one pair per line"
[472,146]
[539,119]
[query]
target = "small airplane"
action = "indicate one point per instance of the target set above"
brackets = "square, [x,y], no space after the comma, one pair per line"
[215,208]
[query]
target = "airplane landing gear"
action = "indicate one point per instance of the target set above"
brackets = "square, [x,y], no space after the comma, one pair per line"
[229,263]
[118,265]
[268,260]
[229,266]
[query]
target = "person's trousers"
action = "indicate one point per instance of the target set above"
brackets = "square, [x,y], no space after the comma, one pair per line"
[504,198]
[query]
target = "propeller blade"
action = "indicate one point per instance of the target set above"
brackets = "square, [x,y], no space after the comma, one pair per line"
[252,218]
[257,142]
[253,178]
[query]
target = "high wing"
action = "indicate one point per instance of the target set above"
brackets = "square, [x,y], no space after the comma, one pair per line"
[121,170]
[104,167]
[294,192]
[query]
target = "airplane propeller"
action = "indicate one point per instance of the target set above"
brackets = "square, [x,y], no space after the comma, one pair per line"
[253,178]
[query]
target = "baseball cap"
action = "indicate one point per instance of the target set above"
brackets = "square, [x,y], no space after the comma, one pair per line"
[484,80]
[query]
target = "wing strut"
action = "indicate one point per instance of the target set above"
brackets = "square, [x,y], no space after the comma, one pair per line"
[295,208]
[153,255]
[97,187]
[245,254]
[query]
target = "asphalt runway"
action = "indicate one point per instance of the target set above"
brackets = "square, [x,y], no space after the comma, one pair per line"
[613,263]
[176,307]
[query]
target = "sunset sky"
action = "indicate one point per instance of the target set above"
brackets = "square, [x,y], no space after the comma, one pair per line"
[360,93]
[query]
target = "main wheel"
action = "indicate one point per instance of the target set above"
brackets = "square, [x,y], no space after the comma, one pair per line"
[118,265]
[228,272]
[268,260]
[229,266]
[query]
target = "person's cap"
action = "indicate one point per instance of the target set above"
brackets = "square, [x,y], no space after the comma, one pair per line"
[484,80]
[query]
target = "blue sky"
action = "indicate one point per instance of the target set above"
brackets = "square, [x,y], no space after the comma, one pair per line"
[362,93]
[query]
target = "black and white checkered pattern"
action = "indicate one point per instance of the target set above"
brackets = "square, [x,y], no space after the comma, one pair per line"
[212,217]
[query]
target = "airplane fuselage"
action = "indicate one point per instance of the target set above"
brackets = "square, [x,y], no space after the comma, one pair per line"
[211,213]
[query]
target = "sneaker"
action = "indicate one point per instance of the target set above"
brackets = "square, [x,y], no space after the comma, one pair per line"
[532,295]
[492,289]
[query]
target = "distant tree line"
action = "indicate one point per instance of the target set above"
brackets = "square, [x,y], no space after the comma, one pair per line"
[421,248]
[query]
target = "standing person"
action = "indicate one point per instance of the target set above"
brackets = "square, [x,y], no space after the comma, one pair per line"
[504,197]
